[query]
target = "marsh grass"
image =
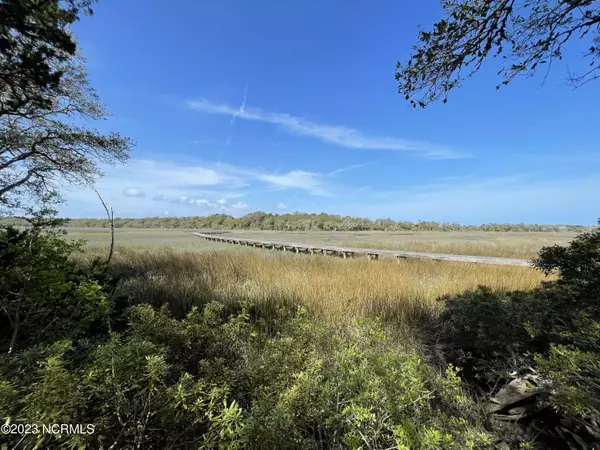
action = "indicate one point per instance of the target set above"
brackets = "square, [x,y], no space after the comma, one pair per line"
[500,248]
[506,245]
[333,289]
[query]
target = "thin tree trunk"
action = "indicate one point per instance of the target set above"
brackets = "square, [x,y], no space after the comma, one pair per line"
[16,322]
[111,218]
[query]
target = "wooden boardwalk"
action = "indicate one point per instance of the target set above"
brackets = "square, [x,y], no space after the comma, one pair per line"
[351,252]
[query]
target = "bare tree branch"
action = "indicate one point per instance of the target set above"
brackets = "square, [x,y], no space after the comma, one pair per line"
[111,218]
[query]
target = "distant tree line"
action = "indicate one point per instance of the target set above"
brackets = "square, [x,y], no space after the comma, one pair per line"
[307,222]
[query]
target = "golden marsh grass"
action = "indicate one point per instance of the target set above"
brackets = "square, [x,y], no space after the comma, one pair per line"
[501,248]
[523,245]
[330,288]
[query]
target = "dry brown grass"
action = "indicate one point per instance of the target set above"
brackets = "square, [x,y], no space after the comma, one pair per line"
[331,288]
[501,248]
[508,245]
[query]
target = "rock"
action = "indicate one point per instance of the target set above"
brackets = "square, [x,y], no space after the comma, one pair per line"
[517,391]
[522,411]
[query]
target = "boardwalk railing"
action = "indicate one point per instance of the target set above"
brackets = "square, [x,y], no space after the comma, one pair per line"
[351,252]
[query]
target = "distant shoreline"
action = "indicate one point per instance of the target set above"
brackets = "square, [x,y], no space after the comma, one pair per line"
[304,222]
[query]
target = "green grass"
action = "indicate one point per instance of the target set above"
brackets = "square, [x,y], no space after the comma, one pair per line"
[143,239]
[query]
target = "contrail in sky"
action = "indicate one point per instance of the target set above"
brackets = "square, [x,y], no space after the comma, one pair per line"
[236,114]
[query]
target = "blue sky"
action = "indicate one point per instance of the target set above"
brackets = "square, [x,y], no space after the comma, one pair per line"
[240,106]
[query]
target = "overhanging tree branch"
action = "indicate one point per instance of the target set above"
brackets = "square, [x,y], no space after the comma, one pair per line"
[525,34]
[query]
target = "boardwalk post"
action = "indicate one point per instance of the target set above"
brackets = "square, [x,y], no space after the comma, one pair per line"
[350,252]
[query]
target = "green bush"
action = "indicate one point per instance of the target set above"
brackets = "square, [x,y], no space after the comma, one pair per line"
[222,381]
[43,295]
[553,331]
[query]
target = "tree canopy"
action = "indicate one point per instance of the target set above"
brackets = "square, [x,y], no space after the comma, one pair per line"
[44,100]
[34,38]
[303,222]
[527,35]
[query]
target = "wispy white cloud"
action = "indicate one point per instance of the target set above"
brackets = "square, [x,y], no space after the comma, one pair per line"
[172,174]
[298,179]
[333,134]
[240,205]
[133,192]
[206,187]
[220,205]
[195,189]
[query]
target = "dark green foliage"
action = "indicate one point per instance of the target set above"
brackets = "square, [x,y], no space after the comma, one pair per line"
[578,264]
[526,34]
[34,39]
[554,330]
[45,94]
[483,330]
[43,295]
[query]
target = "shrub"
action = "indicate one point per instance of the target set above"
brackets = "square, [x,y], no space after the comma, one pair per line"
[218,377]
[215,380]
[553,330]
[43,296]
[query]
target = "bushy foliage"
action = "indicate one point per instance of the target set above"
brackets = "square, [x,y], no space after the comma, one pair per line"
[219,380]
[43,296]
[231,375]
[219,377]
[553,330]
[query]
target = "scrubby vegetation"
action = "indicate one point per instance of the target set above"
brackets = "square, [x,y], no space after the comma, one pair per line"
[157,353]
[552,331]
[216,375]
[156,350]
